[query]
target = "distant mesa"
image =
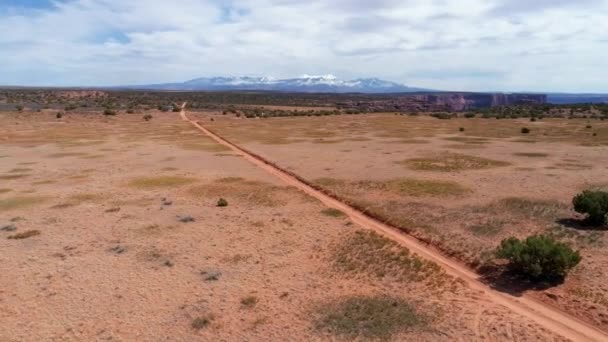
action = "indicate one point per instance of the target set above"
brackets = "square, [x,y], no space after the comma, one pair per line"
[305,83]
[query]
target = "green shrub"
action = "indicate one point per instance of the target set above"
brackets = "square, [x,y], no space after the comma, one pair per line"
[525,130]
[538,257]
[19,108]
[222,203]
[594,204]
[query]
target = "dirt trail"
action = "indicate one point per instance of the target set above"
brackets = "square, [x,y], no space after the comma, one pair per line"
[549,317]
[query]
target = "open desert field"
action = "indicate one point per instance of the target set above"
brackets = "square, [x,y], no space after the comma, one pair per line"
[111,227]
[461,185]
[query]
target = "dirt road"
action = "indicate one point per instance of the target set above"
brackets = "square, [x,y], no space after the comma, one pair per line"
[546,316]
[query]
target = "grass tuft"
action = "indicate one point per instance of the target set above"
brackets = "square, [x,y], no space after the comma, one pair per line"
[249,301]
[201,322]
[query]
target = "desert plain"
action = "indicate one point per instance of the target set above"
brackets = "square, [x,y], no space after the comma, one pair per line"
[111,227]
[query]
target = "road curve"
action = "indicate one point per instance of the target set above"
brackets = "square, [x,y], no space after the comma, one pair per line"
[549,317]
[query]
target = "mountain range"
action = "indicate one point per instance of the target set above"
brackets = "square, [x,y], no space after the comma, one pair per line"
[305,83]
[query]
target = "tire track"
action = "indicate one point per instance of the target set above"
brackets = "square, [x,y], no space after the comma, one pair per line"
[549,317]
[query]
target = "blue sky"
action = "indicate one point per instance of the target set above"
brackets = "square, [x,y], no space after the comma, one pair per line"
[508,45]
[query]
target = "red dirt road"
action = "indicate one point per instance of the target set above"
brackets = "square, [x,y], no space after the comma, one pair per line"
[544,315]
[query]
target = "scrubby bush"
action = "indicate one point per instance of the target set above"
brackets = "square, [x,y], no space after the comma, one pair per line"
[147,117]
[525,130]
[594,204]
[109,111]
[538,257]
[443,116]
[59,115]
[19,108]
[461,129]
[222,203]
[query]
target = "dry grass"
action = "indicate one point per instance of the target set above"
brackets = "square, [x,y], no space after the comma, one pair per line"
[464,147]
[490,227]
[13,176]
[249,301]
[93,156]
[67,154]
[87,197]
[365,252]
[450,162]
[534,208]
[44,182]
[378,317]
[203,146]
[160,182]
[202,322]
[401,186]
[21,202]
[531,154]
[20,170]
[469,140]
[244,191]
[25,235]
[78,199]
[572,166]
[5,190]
[331,212]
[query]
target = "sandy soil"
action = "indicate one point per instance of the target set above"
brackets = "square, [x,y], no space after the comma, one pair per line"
[112,260]
[529,191]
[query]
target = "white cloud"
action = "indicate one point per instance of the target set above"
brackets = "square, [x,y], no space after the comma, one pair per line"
[461,45]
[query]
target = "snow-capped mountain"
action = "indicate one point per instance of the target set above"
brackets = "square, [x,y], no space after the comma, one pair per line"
[304,83]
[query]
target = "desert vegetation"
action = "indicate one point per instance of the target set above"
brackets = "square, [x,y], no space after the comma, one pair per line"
[369,317]
[538,257]
[594,204]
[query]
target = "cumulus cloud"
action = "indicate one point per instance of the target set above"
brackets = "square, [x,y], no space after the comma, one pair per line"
[460,45]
